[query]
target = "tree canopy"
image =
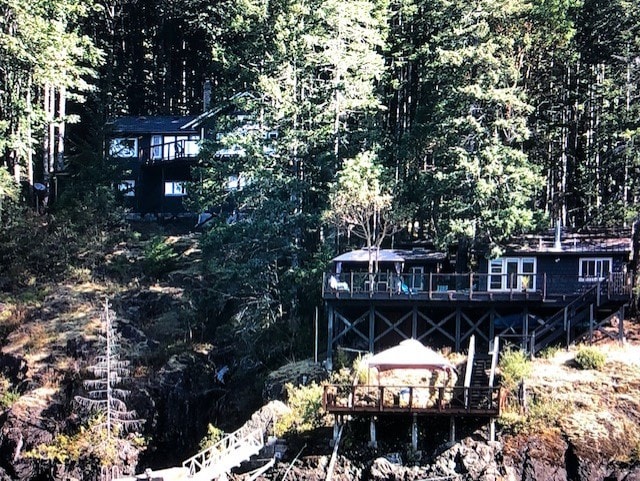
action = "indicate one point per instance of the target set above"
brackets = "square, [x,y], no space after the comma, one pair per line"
[487,119]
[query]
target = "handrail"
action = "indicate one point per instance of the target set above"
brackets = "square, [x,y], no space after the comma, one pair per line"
[168,151]
[551,327]
[356,284]
[214,454]
[468,371]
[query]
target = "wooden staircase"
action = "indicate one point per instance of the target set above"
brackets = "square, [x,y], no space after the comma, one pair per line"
[480,375]
[479,379]
[229,452]
[577,320]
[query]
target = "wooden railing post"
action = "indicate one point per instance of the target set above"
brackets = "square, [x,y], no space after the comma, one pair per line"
[470,285]
[351,286]
[430,285]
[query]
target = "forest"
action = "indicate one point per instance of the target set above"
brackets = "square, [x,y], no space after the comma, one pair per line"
[452,121]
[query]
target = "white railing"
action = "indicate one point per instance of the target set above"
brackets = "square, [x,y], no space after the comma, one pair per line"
[226,453]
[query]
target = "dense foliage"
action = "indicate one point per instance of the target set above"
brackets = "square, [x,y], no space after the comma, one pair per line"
[476,121]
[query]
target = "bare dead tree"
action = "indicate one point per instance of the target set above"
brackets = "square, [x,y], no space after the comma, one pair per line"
[104,393]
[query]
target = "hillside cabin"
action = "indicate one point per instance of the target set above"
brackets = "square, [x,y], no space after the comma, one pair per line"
[543,289]
[155,155]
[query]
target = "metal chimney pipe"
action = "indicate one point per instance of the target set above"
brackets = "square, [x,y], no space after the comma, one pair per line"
[557,245]
[206,95]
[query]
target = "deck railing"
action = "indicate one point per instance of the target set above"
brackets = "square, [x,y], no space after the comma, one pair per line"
[419,399]
[170,151]
[470,285]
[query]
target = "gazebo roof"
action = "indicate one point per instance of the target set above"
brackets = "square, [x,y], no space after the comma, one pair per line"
[409,354]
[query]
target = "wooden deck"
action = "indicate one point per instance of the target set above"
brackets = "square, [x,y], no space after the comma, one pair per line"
[467,288]
[423,400]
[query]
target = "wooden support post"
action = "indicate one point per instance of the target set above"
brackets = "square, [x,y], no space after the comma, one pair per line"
[525,329]
[372,327]
[621,325]
[492,320]
[373,443]
[414,322]
[330,317]
[336,430]
[492,429]
[452,430]
[430,285]
[457,329]
[414,433]
[591,319]
[544,286]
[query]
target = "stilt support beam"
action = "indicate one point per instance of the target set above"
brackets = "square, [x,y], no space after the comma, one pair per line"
[492,429]
[414,433]
[452,429]
[372,432]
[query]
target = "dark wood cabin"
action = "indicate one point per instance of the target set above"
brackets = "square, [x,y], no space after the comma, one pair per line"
[154,156]
[543,290]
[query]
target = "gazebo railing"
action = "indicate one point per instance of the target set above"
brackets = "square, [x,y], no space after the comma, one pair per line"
[381,398]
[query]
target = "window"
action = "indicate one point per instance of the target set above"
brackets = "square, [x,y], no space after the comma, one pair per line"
[175,189]
[156,147]
[128,188]
[594,270]
[123,148]
[236,182]
[417,274]
[506,273]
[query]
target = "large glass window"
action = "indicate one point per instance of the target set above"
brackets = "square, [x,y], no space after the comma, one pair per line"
[175,189]
[179,146]
[506,273]
[128,188]
[124,148]
[594,269]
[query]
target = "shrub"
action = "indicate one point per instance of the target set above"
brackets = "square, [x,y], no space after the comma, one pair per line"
[306,409]
[8,397]
[590,358]
[515,366]
[549,352]
[361,369]
[159,258]
[214,434]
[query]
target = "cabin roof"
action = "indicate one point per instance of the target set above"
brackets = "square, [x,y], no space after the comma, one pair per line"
[152,124]
[572,243]
[391,255]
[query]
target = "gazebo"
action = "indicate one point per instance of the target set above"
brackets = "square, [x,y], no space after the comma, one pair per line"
[411,367]
[409,354]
